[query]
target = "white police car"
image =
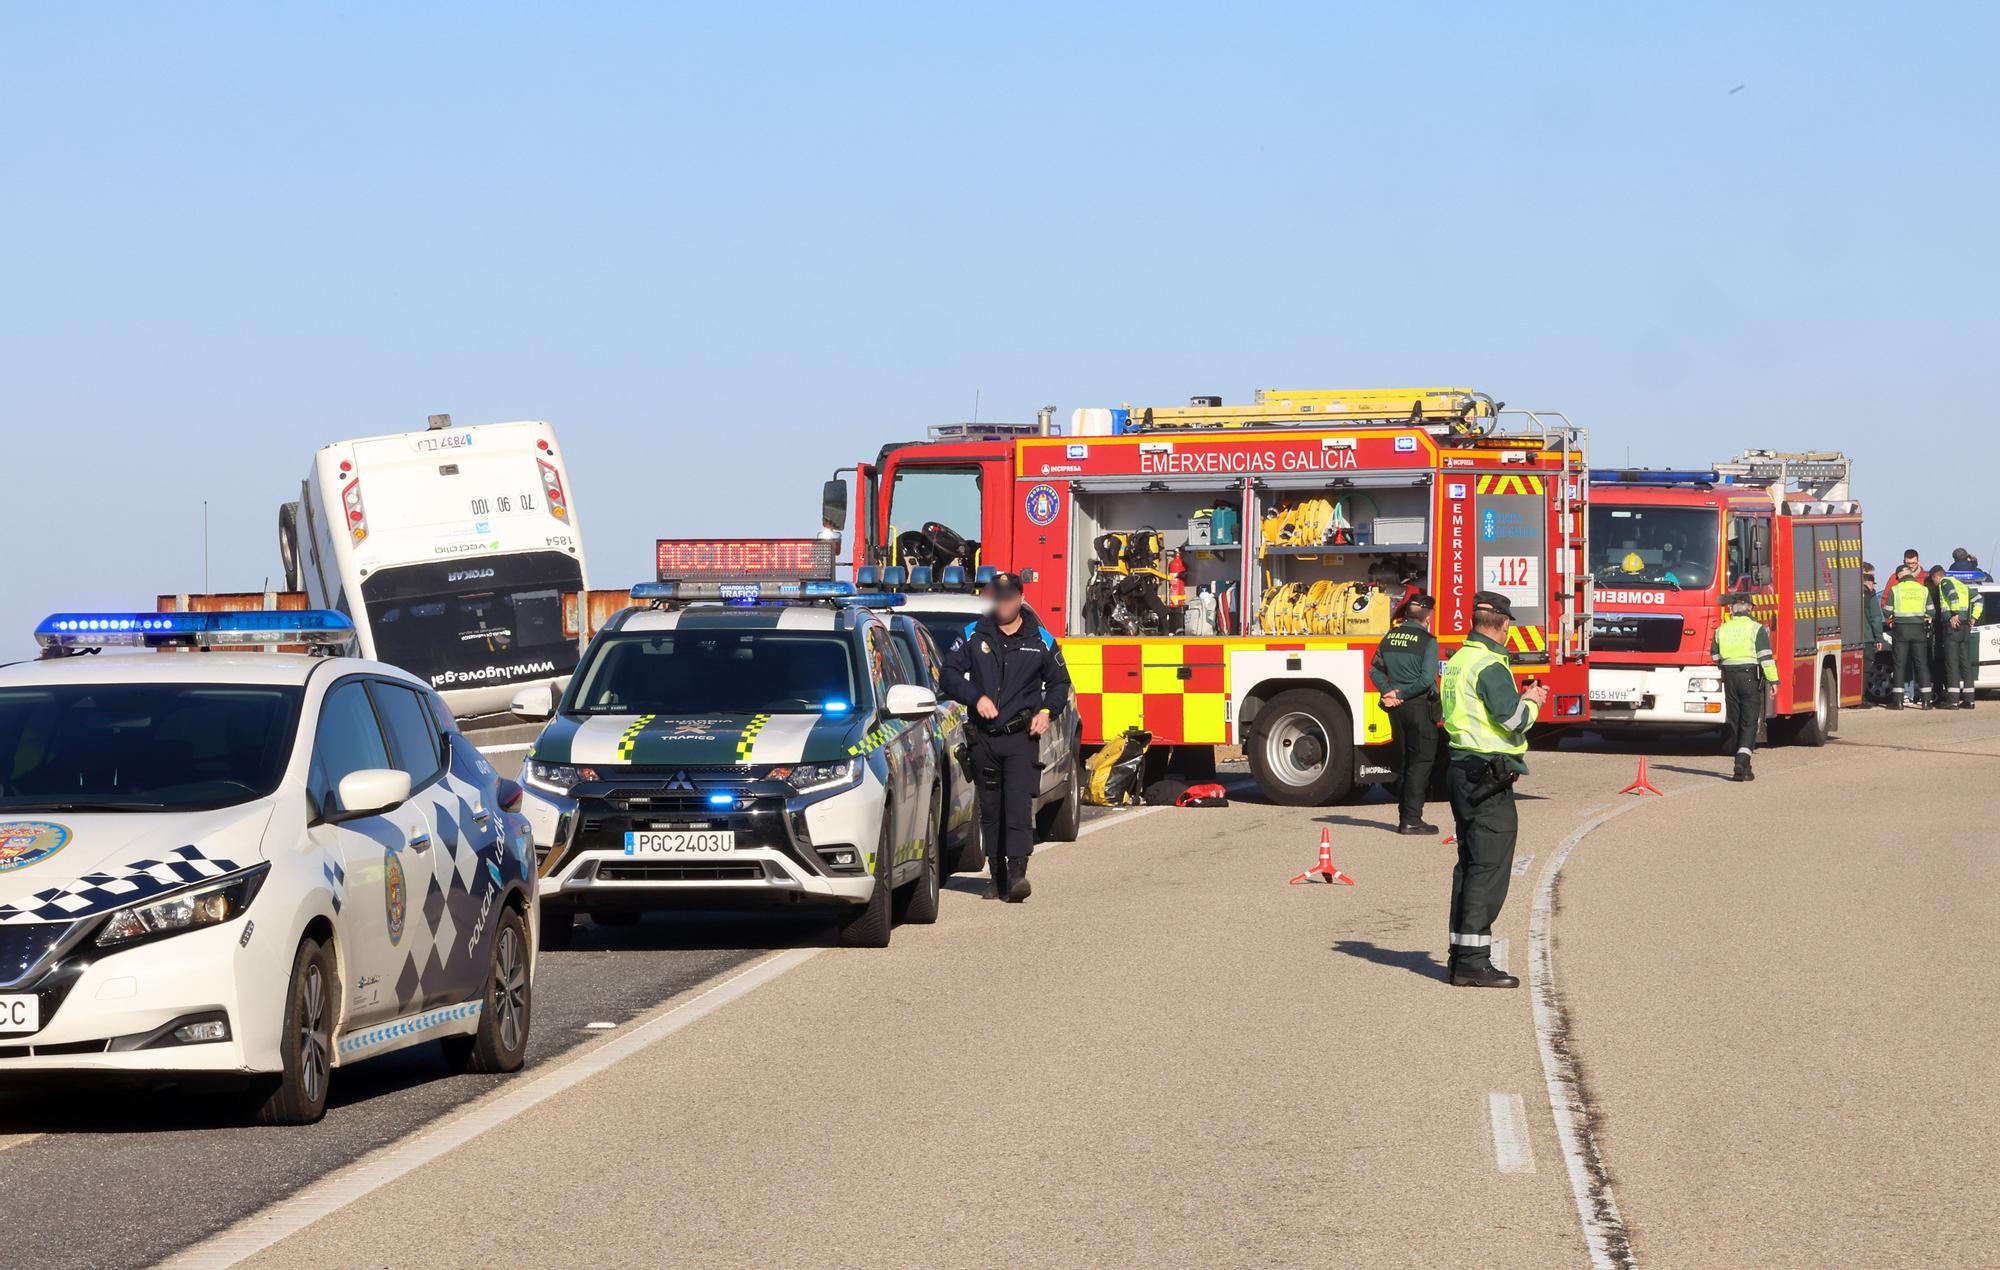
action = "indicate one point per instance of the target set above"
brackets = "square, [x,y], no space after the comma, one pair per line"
[769,751]
[251,864]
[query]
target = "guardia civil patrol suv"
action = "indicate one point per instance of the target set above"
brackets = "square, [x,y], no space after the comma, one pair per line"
[737,745]
[249,865]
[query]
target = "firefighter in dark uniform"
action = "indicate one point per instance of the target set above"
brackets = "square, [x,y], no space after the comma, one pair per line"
[1958,607]
[1742,647]
[1007,668]
[1910,611]
[1404,670]
[1488,719]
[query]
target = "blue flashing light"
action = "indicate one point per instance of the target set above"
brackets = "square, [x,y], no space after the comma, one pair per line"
[320,627]
[983,575]
[743,592]
[836,707]
[655,591]
[920,575]
[1652,476]
[952,575]
[722,800]
[895,575]
[874,600]
[868,575]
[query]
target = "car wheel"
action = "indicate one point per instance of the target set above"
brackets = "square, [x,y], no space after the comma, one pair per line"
[867,925]
[917,903]
[558,928]
[298,1094]
[972,852]
[1302,749]
[501,1043]
[1063,821]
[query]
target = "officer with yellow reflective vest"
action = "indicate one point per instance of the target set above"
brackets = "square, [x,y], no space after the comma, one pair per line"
[1910,614]
[1958,607]
[1488,719]
[1742,647]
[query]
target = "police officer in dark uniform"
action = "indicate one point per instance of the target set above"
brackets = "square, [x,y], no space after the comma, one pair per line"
[1488,718]
[1007,668]
[1404,670]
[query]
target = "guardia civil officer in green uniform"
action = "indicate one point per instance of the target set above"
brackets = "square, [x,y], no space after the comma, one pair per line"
[1404,670]
[1910,614]
[1958,606]
[1742,647]
[1488,720]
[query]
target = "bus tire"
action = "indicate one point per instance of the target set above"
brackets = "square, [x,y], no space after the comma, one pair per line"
[288,544]
[1302,749]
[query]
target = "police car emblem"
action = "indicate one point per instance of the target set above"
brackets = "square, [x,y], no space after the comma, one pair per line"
[26,842]
[1043,504]
[395,895]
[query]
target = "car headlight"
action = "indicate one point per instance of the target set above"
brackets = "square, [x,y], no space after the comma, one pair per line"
[810,778]
[199,906]
[555,778]
[1704,684]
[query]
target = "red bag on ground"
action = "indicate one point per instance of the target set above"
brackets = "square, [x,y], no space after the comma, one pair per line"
[1203,796]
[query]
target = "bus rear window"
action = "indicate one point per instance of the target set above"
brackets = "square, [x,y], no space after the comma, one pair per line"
[467,622]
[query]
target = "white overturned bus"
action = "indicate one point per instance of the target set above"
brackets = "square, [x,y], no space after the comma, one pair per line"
[450,548]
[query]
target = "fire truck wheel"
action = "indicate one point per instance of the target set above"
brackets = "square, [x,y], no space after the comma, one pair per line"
[1815,728]
[1302,749]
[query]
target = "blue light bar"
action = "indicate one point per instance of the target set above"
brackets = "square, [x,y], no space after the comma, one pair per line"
[1652,476]
[873,600]
[319,627]
[744,592]
[952,575]
[868,575]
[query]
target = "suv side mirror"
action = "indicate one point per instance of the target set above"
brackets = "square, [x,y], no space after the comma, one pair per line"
[833,505]
[535,703]
[370,791]
[907,701]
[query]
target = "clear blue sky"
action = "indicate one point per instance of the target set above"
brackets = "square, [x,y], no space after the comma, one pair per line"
[728,249]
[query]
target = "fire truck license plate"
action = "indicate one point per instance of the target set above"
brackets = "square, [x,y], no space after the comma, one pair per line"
[21,1013]
[680,842]
[1624,696]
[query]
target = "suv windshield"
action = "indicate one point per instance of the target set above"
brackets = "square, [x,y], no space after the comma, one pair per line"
[714,672]
[1672,547]
[143,746]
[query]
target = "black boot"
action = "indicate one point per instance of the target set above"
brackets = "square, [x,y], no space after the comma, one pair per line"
[996,868]
[1017,879]
[1486,976]
[1742,768]
[1419,825]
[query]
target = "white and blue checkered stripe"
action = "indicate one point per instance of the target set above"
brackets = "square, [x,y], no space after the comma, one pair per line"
[105,890]
[416,1024]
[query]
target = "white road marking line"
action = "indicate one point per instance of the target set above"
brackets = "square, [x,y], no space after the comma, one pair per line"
[1521,865]
[8,1141]
[329,1195]
[599,1027]
[1512,1152]
[506,749]
[1604,1232]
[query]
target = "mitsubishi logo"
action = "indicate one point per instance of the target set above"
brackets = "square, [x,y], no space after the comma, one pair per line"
[680,781]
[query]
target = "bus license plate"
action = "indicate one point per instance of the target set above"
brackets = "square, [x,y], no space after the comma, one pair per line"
[681,842]
[21,1013]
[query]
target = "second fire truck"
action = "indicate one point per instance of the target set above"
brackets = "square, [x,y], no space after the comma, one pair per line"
[1221,575]
[1667,546]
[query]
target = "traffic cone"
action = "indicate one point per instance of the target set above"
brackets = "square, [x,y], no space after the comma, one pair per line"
[1324,869]
[1640,785]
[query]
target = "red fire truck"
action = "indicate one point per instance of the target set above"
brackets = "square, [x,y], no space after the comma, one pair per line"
[1222,574]
[1667,546]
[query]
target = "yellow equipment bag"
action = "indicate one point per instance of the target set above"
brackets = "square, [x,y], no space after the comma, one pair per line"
[1365,610]
[1111,777]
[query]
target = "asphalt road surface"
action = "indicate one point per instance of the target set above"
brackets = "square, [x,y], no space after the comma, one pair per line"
[1758,1033]
[103,1177]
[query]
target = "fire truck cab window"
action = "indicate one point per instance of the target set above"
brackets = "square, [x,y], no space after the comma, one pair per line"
[934,515]
[1749,553]
[1669,547]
